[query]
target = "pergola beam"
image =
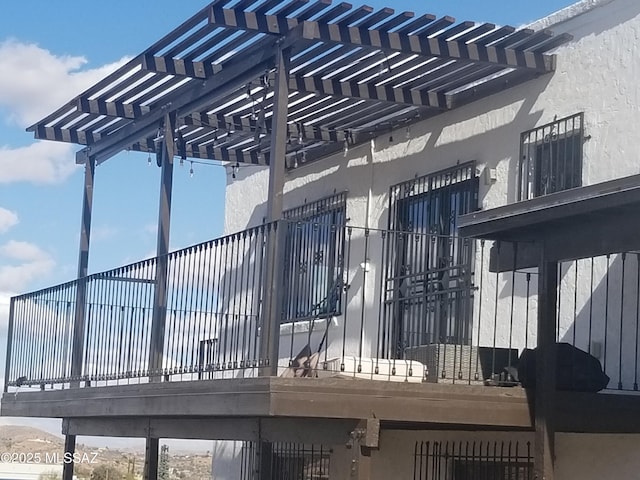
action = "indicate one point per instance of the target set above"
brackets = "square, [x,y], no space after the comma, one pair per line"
[112,109]
[249,125]
[179,66]
[215,152]
[367,91]
[429,47]
[230,78]
[380,40]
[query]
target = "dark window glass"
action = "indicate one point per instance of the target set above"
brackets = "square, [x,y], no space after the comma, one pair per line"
[430,269]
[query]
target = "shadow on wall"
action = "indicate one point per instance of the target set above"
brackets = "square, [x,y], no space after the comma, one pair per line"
[598,311]
[606,322]
[489,147]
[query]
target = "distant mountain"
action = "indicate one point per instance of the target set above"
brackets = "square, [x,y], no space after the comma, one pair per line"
[30,440]
[12,434]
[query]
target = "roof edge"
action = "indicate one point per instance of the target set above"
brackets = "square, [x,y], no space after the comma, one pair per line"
[567,13]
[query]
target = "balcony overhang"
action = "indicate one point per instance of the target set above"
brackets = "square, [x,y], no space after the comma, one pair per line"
[355,73]
[238,403]
[582,222]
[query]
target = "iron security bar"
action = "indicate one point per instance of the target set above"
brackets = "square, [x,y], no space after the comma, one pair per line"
[551,157]
[473,460]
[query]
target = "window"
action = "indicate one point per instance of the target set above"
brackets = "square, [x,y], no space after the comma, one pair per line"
[314,258]
[551,157]
[289,461]
[294,461]
[491,469]
[429,271]
[473,460]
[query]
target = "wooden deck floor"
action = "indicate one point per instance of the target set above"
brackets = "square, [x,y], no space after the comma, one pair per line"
[405,405]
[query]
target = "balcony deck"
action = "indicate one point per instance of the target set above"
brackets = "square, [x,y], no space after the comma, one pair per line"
[399,405]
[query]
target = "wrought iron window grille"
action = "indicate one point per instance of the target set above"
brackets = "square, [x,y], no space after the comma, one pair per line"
[314,259]
[471,460]
[551,157]
[428,273]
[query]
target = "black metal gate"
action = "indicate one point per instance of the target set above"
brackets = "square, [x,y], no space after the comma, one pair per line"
[428,277]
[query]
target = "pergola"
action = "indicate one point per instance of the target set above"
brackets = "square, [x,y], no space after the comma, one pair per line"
[351,74]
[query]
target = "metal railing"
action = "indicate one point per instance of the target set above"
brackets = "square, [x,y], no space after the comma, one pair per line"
[445,318]
[211,317]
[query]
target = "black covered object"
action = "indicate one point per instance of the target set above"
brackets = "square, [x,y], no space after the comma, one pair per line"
[576,370]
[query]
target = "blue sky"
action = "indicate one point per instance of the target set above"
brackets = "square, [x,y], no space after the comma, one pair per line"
[49,52]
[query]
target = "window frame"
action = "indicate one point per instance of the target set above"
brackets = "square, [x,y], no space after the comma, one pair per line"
[538,175]
[322,224]
[439,237]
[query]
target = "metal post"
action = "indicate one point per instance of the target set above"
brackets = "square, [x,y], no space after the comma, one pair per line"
[278,136]
[7,365]
[546,370]
[77,349]
[83,266]
[272,306]
[164,223]
[151,453]
[69,448]
[265,461]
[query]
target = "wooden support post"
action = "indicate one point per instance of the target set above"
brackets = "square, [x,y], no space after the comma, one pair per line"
[69,448]
[151,456]
[162,249]
[272,295]
[545,392]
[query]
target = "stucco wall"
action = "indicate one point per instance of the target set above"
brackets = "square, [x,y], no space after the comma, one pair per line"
[578,456]
[596,73]
[593,457]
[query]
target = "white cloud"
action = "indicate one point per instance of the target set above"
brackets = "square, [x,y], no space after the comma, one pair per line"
[5,298]
[8,219]
[30,262]
[104,232]
[39,81]
[40,162]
